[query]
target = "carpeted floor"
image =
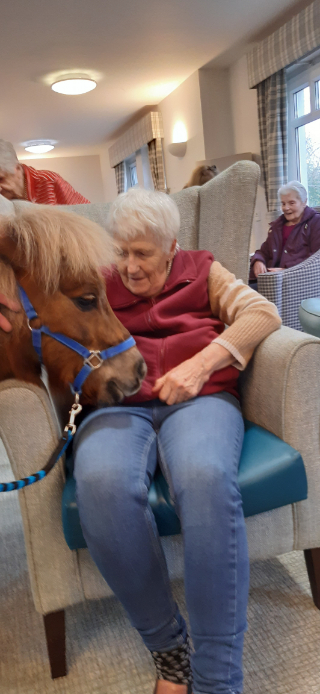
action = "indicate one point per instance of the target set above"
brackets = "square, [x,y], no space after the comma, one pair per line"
[105,655]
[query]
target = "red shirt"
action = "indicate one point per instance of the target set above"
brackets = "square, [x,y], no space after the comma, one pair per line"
[286,231]
[48,188]
[175,325]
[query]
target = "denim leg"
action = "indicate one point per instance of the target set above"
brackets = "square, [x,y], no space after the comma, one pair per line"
[115,459]
[200,445]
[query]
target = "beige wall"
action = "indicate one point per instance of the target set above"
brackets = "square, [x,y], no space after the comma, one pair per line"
[83,173]
[184,105]
[108,175]
[216,113]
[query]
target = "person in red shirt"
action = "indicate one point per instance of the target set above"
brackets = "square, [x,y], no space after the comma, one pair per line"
[22,182]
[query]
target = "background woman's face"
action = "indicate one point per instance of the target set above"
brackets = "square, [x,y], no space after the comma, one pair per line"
[12,184]
[206,175]
[143,264]
[292,207]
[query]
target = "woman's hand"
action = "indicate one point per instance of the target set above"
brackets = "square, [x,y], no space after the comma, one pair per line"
[187,380]
[275,269]
[13,306]
[259,268]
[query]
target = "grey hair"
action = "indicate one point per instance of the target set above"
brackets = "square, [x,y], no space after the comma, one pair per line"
[8,157]
[139,211]
[294,187]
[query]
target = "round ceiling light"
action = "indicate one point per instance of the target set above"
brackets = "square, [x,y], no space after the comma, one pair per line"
[39,146]
[74,85]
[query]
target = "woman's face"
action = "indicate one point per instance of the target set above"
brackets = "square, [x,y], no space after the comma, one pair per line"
[292,207]
[143,264]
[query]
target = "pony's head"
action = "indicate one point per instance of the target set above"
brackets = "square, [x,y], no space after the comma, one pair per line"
[56,257]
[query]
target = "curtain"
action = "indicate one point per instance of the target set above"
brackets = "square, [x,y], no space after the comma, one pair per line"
[157,164]
[299,36]
[119,172]
[272,109]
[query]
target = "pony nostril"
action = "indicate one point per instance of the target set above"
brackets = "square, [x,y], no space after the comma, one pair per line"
[141,369]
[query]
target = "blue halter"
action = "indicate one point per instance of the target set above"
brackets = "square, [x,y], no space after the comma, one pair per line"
[92,359]
[89,356]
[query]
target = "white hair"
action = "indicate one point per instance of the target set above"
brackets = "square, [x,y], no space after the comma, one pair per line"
[294,187]
[139,211]
[8,157]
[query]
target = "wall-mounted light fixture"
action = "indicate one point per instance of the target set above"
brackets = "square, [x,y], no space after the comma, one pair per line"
[178,146]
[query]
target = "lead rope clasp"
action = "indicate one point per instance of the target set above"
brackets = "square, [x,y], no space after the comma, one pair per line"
[75,409]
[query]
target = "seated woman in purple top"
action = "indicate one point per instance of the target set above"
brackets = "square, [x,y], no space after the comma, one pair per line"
[293,237]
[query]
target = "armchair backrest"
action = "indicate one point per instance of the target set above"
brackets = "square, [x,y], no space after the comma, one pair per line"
[217,216]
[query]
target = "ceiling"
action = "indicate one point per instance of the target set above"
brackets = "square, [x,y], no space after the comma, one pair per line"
[139,51]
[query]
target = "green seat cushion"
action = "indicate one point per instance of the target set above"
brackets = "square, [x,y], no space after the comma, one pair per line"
[309,316]
[271,474]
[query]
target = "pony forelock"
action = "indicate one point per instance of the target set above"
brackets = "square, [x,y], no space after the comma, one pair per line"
[52,244]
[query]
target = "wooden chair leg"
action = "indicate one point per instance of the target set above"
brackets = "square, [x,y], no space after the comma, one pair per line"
[54,624]
[312,559]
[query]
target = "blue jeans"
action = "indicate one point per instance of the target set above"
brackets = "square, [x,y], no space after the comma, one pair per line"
[198,445]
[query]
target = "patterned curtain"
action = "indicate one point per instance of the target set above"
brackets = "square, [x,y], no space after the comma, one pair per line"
[119,172]
[157,164]
[299,36]
[272,108]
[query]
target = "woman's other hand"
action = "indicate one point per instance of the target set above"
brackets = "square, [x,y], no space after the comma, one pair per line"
[187,380]
[13,306]
[259,268]
[275,269]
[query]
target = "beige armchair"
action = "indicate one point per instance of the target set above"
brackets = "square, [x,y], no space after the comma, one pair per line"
[280,392]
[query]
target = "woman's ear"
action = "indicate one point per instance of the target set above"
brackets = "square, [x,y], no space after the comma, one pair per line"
[173,248]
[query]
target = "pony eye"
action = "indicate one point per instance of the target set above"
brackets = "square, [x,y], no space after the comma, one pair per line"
[85,303]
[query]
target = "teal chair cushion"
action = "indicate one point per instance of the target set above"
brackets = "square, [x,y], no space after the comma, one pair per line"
[309,316]
[271,474]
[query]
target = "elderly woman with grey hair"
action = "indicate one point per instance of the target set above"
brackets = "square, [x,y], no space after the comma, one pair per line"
[293,237]
[187,418]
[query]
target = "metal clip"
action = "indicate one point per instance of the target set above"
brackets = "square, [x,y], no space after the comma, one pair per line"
[75,409]
[94,355]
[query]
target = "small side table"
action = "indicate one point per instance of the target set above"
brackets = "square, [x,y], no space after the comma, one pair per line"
[309,316]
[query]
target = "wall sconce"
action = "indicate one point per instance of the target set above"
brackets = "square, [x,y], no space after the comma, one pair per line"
[178,147]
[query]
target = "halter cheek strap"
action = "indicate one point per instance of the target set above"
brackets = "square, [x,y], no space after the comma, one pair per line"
[93,359]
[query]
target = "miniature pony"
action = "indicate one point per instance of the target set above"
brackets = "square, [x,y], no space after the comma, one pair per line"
[56,258]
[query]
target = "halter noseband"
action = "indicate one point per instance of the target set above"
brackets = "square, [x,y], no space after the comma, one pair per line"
[92,359]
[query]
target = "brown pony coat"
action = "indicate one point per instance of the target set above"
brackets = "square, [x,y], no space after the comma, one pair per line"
[56,257]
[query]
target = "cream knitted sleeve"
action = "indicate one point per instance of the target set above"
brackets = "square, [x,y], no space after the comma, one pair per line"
[250,316]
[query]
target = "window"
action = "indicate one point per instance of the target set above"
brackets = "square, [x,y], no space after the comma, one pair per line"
[131,174]
[304,126]
[137,170]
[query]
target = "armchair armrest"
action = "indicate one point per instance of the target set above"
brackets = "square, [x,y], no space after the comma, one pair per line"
[280,392]
[29,430]
[288,288]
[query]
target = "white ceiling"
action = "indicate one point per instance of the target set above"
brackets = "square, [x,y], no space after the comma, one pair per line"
[139,49]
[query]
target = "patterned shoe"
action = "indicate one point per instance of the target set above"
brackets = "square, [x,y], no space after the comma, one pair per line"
[174,666]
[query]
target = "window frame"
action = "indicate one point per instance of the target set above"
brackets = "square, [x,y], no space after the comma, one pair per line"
[299,77]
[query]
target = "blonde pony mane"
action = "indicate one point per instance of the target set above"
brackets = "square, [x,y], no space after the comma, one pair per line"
[51,244]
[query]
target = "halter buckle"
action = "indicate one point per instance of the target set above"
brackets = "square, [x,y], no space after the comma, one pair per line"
[94,355]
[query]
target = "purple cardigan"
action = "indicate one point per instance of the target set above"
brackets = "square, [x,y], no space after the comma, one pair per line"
[303,241]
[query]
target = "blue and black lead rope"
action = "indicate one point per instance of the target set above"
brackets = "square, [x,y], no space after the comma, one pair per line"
[56,455]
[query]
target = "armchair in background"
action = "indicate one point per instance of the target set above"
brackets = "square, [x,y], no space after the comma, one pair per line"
[287,288]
